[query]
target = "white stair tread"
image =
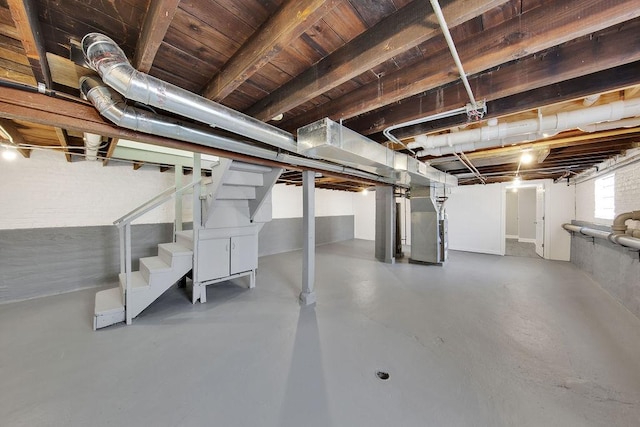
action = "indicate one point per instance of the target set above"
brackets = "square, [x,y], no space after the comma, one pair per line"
[154,264]
[176,249]
[137,281]
[109,301]
[249,167]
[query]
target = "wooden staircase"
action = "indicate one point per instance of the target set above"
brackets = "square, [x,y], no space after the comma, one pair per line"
[237,203]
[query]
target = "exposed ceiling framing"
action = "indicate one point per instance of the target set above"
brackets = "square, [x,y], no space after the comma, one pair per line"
[372,64]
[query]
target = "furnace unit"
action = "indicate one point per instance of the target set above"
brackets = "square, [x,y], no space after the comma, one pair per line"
[429,232]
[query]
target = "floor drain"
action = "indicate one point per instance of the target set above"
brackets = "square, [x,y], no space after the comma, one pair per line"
[382,375]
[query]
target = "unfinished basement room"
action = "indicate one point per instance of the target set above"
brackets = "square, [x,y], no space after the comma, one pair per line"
[319,213]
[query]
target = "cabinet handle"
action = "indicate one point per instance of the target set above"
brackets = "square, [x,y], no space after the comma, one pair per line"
[233,246]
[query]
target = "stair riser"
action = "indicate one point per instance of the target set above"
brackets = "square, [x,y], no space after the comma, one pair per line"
[104,320]
[236,193]
[243,178]
[169,257]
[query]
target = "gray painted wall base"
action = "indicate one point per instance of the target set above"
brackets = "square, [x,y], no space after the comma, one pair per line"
[48,261]
[615,268]
[285,234]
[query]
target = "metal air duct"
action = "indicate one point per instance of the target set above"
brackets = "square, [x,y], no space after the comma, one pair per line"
[113,107]
[105,56]
[327,139]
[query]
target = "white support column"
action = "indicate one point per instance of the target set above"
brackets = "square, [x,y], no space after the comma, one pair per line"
[385,224]
[308,295]
[197,224]
[178,202]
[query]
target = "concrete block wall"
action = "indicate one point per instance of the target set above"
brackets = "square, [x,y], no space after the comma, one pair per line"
[615,268]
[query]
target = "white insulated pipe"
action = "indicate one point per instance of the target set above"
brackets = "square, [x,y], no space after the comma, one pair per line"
[92,143]
[619,235]
[529,129]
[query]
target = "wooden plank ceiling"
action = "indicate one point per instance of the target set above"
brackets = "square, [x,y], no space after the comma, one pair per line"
[370,63]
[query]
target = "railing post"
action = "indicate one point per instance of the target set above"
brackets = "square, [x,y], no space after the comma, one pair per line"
[127,292]
[122,249]
[177,223]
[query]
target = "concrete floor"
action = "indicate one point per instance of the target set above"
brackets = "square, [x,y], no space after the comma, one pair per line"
[515,248]
[482,341]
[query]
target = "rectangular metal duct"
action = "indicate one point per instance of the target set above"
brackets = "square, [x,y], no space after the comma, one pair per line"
[328,140]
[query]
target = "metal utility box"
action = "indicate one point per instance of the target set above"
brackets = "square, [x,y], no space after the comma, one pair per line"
[428,229]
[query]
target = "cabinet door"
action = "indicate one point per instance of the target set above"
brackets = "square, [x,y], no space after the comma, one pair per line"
[244,253]
[213,259]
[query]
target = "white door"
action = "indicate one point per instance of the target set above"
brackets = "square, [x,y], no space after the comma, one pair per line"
[540,220]
[244,253]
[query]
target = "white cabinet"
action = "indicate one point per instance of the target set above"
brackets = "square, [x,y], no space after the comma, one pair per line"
[226,252]
[213,259]
[244,253]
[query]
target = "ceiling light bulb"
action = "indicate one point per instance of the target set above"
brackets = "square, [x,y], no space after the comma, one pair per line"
[365,192]
[526,157]
[9,154]
[278,117]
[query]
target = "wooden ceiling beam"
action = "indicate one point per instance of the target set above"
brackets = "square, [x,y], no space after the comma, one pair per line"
[113,143]
[547,27]
[15,138]
[79,117]
[154,28]
[25,17]
[292,19]
[401,31]
[63,138]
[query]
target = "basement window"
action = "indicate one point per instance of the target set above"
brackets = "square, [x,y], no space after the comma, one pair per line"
[605,197]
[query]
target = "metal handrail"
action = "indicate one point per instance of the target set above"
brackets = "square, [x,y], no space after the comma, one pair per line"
[124,226]
[152,204]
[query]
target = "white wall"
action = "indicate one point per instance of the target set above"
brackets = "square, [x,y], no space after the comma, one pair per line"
[559,205]
[527,214]
[476,218]
[287,202]
[47,191]
[364,208]
[511,214]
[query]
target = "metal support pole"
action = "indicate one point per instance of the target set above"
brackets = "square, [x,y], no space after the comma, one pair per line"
[308,295]
[197,224]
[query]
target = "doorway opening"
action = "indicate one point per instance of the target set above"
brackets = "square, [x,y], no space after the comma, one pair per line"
[524,221]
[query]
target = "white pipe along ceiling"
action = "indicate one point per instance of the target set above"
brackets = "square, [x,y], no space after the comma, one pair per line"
[526,130]
[104,56]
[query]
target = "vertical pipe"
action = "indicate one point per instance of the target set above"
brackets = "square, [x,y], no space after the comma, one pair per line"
[308,295]
[452,48]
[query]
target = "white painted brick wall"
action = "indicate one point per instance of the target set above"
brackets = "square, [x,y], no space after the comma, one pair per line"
[48,191]
[627,194]
[628,189]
